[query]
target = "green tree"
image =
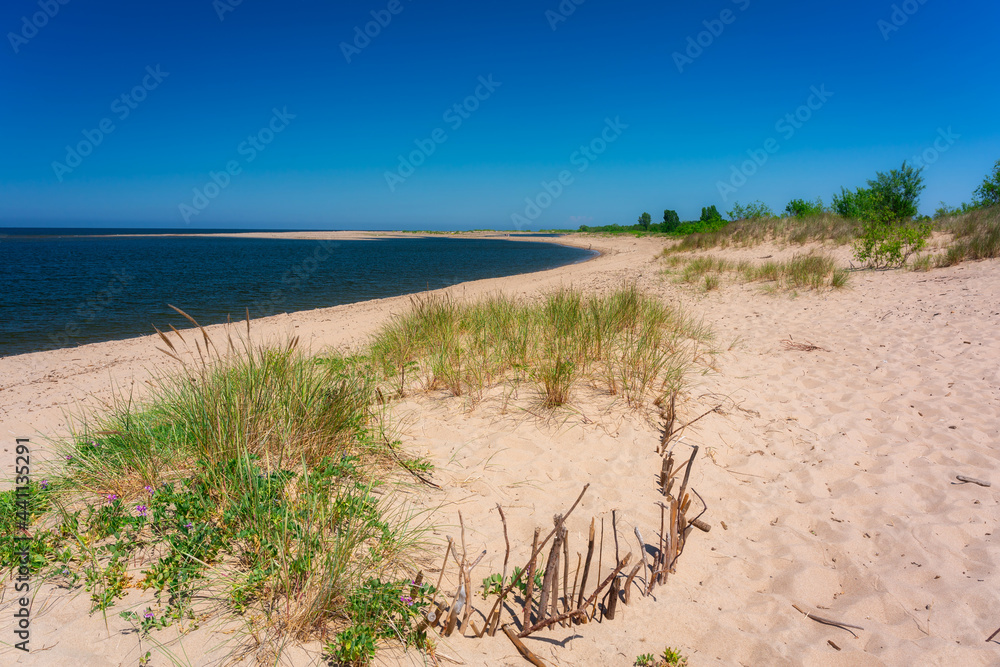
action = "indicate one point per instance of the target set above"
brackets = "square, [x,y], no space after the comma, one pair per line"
[710,214]
[890,198]
[644,220]
[753,211]
[671,220]
[899,191]
[988,194]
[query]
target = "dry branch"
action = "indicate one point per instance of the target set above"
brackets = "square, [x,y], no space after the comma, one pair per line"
[522,649]
[827,621]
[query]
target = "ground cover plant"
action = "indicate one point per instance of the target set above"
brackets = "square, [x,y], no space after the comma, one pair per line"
[245,486]
[802,271]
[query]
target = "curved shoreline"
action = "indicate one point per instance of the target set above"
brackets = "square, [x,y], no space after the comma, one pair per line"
[311,302]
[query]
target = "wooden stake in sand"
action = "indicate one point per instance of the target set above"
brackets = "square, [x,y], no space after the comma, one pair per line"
[530,585]
[586,568]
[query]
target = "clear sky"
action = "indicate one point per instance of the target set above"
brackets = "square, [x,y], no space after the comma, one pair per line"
[122,113]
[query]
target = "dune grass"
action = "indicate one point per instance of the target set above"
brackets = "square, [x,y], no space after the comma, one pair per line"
[803,271]
[626,342]
[976,235]
[826,227]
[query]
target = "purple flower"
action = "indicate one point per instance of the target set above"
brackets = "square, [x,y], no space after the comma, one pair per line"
[112,497]
[69,458]
[141,510]
[149,489]
[148,614]
[189,525]
[45,484]
[406,599]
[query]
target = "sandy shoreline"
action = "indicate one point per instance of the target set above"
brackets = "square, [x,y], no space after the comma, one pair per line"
[833,469]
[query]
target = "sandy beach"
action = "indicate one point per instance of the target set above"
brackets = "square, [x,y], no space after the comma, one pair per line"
[842,420]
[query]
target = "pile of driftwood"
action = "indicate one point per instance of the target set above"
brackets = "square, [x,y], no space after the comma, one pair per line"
[556,602]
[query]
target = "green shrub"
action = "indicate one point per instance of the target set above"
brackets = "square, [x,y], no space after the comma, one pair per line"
[883,245]
[801,208]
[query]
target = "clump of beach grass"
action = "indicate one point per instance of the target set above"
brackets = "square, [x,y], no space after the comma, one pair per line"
[813,271]
[247,485]
[976,235]
[627,342]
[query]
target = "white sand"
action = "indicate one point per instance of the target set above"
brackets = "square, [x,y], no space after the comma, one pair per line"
[833,469]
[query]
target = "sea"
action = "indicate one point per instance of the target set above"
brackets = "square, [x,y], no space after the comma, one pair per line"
[68,287]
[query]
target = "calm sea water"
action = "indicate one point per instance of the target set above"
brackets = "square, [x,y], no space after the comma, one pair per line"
[65,290]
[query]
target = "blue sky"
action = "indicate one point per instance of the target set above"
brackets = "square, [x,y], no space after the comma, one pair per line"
[221,83]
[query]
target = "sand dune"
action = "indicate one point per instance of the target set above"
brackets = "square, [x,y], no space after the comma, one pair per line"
[832,468]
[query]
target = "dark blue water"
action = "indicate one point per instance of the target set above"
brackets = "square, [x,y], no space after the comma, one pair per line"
[62,291]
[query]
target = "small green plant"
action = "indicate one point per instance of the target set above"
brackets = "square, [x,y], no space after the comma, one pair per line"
[711,283]
[883,245]
[669,658]
[673,658]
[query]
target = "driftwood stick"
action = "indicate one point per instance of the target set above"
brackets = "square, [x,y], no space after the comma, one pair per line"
[492,620]
[567,600]
[972,480]
[600,555]
[990,638]
[582,610]
[687,471]
[530,585]
[674,546]
[609,609]
[551,575]
[534,552]
[701,525]
[444,565]
[522,649]
[628,582]
[506,541]
[576,580]
[827,621]
[586,565]
[642,549]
